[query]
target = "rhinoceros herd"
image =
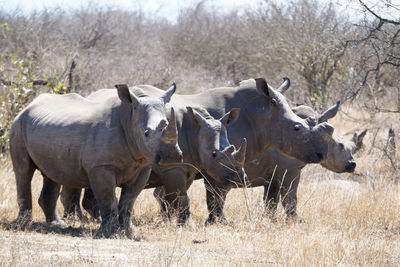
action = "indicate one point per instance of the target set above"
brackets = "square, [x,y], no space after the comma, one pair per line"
[145,137]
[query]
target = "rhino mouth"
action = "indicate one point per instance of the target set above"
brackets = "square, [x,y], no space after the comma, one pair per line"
[168,161]
[317,157]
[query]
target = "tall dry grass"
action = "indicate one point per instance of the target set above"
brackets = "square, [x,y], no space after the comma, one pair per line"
[350,220]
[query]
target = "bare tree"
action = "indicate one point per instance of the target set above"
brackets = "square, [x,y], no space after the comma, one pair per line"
[379,40]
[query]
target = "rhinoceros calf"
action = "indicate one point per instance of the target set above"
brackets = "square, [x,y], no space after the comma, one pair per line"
[280,175]
[81,143]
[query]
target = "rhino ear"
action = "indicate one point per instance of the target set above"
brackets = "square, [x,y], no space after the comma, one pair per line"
[125,95]
[284,86]
[197,117]
[330,113]
[262,86]
[358,139]
[266,90]
[231,116]
[167,95]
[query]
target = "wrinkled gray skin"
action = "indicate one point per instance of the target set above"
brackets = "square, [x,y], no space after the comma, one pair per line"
[81,143]
[265,120]
[280,175]
[205,146]
[169,153]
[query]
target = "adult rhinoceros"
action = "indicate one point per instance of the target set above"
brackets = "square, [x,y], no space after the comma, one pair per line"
[81,143]
[169,153]
[280,175]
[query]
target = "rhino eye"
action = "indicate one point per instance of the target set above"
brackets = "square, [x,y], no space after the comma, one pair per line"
[297,127]
[147,133]
[214,154]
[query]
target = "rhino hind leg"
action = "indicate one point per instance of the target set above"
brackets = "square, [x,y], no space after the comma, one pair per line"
[70,198]
[48,201]
[23,168]
[215,196]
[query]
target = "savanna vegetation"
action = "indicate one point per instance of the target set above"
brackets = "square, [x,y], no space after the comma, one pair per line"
[349,219]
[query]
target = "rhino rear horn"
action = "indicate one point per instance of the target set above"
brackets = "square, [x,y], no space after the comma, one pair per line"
[171,132]
[168,94]
[125,95]
[240,154]
[330,113]
[231,116]
[284,86]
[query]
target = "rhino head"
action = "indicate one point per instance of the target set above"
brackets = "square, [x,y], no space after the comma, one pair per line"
[144,121]
[169,152]
[219,158]
[287,132]
[340,151]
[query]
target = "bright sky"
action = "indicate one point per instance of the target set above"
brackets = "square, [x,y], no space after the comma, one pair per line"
[166,8]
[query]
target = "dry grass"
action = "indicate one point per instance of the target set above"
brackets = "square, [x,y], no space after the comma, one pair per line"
[350,219]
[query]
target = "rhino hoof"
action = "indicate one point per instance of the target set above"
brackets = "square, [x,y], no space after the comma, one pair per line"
[59,223]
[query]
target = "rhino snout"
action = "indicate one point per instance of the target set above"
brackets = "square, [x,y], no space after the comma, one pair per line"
[351,167]
[169,158]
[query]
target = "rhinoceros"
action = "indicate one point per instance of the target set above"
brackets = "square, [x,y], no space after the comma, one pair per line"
[280,175]
[169,153]
[265,120]
[205,145]
[77,142]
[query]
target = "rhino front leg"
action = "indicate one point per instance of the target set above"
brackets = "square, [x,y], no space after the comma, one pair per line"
[48,201]
[271,197]
[103,182]
[89,203]
[129,194]
[216,196]
[289,194]
[70,198]
[159,194]
[176,194]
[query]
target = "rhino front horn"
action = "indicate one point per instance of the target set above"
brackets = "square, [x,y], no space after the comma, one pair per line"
[240,154]
[171,132]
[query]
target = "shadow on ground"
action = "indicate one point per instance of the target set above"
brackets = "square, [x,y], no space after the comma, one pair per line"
[46,228]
